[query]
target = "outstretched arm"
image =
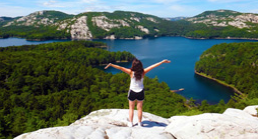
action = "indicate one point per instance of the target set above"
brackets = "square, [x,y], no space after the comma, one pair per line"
[146,70]
[128,71]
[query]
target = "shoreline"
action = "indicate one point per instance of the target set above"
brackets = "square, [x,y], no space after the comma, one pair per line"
[220,82]
[216,38]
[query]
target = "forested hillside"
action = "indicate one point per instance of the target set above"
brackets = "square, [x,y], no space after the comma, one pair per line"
[224,24]
[117,25]
[35,26]
[55,84]
[4,20]
[44,25]
[234,63]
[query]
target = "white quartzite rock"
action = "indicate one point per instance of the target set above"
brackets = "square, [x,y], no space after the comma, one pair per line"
[143,29]
[252,110]
[111,37]
[137,38]
[32,19]
[109,123]
[107,24]
[232,124]
[239,21]
[135,18]
[80,30]
[151,19]
[112,123]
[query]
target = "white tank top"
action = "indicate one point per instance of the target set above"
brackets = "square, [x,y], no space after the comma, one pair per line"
[136,85]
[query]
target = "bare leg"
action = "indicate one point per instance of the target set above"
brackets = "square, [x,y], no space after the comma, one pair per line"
[139,108]
[131,110]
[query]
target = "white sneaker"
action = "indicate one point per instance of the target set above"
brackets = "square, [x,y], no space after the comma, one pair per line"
[140,124]
[130,124]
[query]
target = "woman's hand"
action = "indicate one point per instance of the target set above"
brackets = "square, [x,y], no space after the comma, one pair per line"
[166,61]
[128,71]
[108,65]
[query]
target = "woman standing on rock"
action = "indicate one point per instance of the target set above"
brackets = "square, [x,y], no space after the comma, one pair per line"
[136,90]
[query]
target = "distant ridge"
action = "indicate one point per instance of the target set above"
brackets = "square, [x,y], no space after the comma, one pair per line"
[88,25]
[224,18]
[175,18]
[43,25]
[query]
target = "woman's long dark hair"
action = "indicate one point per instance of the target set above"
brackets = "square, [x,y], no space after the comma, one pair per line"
[137,68]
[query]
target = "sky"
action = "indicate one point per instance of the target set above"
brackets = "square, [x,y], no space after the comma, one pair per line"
[160,8]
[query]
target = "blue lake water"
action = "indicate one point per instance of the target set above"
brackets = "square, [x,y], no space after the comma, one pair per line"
[183,54]
[21,41]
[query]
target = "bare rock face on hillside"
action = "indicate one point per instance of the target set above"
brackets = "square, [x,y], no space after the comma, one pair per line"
[112,123]
[241,20]
[80,30]
[84,26]
[33,20]
[104,23]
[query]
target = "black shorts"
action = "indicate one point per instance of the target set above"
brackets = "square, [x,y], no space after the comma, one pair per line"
[132,96]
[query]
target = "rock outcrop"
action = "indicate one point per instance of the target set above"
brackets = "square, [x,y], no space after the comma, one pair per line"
[107,123]
[90,25]
[252,110]
[107,24]
[232,124]
[235,19]
[143,29]
[34,19]
[80,30]
[112,123]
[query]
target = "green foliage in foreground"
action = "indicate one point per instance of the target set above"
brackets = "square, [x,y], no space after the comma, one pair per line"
[236,101]
[55,84]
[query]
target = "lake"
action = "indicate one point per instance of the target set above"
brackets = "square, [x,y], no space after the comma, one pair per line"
[183,54]
[21,41]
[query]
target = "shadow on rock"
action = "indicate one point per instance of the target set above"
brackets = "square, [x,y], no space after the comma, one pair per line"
[150,124]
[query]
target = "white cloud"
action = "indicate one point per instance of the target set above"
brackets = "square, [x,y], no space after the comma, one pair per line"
[253,11]
[19,11]
[97,8]
[49,3]
[57,4]
[182,10]
[177,8]
[89,1]
[165,1]
[160,8]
